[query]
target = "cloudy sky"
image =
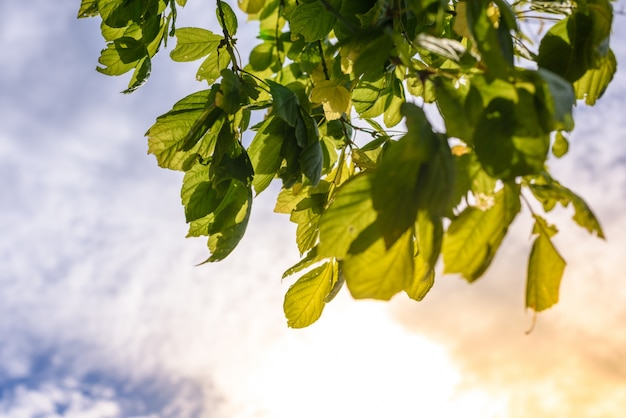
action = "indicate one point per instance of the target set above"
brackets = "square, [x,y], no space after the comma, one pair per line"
[103,314]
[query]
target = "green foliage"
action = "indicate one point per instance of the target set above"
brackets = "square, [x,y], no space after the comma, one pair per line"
[378,216]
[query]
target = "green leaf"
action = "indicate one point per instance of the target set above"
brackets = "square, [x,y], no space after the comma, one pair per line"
[429,230]
[495,44]
[447,48]
[561,102]
[394,101]
[230,19]
[474,236]
[461,105]
[211,68]
[545,270]
[197,194]
[307,215]
[121,56]
[593,83]
[226,223]
[88,8]
[334,97]
[506,148]
[310,259]
[560,145]
[264,152]
[262,56]
[378,272]
[312,21]
[395,186]
[251,6]
[422,281]
[140,75]
[172,139]
[229,97]
[305,299]
[348,215]
[232,228]
[470,176]
[437,180]
[367,92]
[194,43]
[577,43]
[311,160]
[286,104]
[373,56]
[553,191]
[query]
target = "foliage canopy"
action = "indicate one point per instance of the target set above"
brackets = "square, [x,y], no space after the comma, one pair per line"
[376,215]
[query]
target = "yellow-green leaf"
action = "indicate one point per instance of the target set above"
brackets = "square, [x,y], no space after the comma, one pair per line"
[422,281]
[347,216]
[304,301]
[545,270]
[379,273]
[474,236]
[592,84]
[251,6]
[194,43]
[334,97]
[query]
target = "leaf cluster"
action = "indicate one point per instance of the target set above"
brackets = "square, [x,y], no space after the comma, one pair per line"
[377,215]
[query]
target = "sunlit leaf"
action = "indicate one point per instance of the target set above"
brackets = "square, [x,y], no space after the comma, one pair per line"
[312,21]
[593,83]
[378,272]
[304,301]
[251,6]
[350,212]
[545,270]
[211,68]
[560,145]
[422,281]
[553,191]
[474,236]
[395,185]
[334,97]
[194,43]
[264,152]
[229,22]
[167,138]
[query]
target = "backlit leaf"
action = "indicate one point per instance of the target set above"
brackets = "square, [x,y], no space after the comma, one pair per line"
[230,19]
[422,281]
[334,97]
[251,6]
[378,272]
[395,185]
[312,21]
[474,236]
[593,83]
[350,212]
[552,192]
[167,137]
[211,68]
[304,301]
[545,270]
[194,43]
[264,152]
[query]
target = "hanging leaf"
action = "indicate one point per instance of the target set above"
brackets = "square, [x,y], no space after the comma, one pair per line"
[305,299]
[473,238]
[378,272]
[545,269]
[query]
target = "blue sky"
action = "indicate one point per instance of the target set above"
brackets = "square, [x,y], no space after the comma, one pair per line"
[103,314]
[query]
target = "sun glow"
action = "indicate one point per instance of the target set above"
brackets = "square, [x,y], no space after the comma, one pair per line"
[361,364]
